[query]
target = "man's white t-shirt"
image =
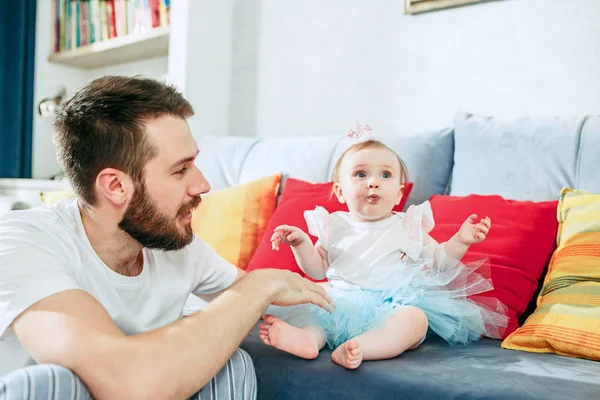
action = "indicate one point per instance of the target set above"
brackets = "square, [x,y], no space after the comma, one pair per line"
[44,251]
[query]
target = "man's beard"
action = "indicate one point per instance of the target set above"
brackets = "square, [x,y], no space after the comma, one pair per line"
[145,223]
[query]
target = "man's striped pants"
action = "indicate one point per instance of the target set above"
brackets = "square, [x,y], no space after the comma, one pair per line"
[236,380]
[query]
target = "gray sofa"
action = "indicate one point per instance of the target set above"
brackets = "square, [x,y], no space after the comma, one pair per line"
[522,159]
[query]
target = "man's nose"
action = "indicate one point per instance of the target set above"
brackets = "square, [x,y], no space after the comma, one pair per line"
[200,184]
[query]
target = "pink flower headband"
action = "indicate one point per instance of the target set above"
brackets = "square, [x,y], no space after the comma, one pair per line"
[360,133]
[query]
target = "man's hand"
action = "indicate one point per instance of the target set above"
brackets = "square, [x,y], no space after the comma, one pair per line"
[290,235]
[289,288]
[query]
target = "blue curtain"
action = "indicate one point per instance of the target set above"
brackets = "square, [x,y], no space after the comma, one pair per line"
[17,55]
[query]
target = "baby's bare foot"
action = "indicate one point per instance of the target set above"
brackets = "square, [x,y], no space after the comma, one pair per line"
[348,355]
[283,336]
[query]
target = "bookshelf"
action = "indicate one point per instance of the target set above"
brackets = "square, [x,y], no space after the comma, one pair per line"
[97,33]
[118,50]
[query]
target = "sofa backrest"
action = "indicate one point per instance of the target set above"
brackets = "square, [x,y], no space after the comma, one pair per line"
[521,159]
[228,161]
[525,158]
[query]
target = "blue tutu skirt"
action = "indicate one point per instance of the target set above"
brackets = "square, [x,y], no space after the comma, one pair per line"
[447,297]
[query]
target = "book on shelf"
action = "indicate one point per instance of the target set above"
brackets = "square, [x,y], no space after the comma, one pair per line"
[82,22]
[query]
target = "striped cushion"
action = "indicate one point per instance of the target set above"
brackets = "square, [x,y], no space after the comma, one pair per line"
[567,318]
[233,220]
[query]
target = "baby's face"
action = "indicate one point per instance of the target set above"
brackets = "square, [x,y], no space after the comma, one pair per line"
[369,183]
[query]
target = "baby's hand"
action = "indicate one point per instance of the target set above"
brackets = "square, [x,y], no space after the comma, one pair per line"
[471,232]
[286,234]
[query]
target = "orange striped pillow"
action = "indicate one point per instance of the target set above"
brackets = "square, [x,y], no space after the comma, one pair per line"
[233,220]
[567,318]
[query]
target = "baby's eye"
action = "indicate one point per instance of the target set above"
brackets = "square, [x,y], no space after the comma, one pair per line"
[361,174]
[386,175]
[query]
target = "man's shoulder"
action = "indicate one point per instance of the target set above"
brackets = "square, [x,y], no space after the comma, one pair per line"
[37,240]
[47,219]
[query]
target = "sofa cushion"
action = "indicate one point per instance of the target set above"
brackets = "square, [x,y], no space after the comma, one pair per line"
[233,220]
[588,176]
[227,161]
[521,159]
[303,158]
[480,370]
[297,197]
[519,245]
[567,319]
[221,159]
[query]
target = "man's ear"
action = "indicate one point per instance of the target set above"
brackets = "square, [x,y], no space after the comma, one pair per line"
[115,186]
[400,194]
[337,189]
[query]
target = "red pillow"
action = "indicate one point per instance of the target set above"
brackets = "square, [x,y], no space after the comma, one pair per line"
[298,196]
[518,246]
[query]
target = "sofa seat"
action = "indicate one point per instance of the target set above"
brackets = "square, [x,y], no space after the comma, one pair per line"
[435,370]
[519,159]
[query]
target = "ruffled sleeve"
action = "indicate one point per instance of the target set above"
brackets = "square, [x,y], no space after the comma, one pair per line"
[417,221]
[317,221]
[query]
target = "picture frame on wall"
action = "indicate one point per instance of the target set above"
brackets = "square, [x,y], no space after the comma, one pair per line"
[421,6]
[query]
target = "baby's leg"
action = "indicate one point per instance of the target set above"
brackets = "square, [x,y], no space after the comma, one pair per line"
[403,331]
[303,342]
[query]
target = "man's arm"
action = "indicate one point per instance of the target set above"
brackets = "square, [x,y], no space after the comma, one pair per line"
[73,330]
[210,297]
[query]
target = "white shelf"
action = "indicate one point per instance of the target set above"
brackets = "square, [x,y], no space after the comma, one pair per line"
[118,50]
[20,194]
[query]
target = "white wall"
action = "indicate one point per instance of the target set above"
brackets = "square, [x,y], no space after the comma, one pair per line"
[200,60]
[286,67]
[319,66]
[49,77]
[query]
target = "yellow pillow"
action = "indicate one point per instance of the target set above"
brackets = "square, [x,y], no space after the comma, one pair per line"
[50,198]
[233,220]
[567,318]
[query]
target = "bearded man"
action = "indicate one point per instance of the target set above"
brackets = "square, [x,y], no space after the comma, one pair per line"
[92,289]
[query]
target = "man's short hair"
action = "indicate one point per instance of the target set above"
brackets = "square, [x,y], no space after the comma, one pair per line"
[102,126]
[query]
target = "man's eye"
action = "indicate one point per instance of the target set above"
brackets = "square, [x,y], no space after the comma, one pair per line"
[181,171]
